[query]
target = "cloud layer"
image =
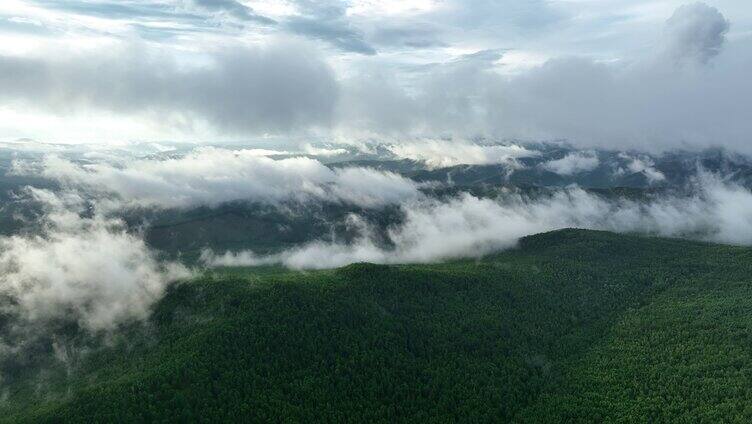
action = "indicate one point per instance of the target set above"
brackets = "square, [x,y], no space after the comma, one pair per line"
[688,92]
[210,176]
[686,87]
[468,226]
[436,153]
[282,87]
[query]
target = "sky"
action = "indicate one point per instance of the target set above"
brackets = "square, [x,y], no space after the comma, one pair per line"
[649,75]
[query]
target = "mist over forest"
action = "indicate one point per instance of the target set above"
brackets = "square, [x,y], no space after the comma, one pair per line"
[348,210]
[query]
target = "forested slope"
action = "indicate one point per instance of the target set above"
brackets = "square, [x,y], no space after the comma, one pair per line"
[573,325]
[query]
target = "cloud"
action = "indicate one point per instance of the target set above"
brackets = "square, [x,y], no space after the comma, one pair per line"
[210,176]
[336,32]
[370,188]
[282,87]
[651,101]
[438,153]
[433,230]
[468,226]
[417,35]
[88,269]
[687,87]
[643,165]
[573,163]
[495,15]
[695,32]
[235,9]
[327,20]
[190,12]
[310,149]
[116,9]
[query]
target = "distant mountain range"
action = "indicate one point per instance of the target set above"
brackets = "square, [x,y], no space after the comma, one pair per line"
[540,169]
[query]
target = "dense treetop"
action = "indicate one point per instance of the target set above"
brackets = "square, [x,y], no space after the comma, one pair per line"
[571,326]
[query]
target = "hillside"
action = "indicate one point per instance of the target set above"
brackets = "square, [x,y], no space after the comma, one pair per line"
[573,325]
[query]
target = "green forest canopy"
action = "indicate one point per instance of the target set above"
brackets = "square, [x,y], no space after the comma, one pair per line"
[573,325]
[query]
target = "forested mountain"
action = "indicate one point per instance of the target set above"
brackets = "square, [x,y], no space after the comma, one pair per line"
[573,325]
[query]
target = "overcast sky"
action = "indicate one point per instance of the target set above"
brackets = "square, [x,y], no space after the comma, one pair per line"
[604,73]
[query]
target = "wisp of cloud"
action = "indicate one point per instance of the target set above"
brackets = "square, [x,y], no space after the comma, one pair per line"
[468,226]
[86,268]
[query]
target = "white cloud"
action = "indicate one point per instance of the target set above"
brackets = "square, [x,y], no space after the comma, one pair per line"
[468,226]
[573,163]
[323,151]
[620,79]
[644,165]
[685,90]
[444,153]
[210,176]
[89,269]
[370,188]
[391,7]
